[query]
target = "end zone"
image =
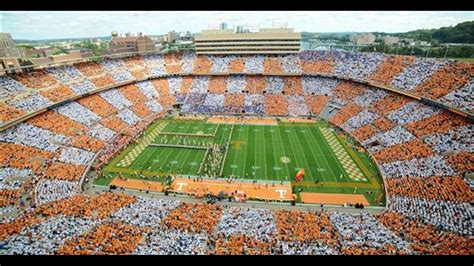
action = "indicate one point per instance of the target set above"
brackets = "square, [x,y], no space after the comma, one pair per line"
[332,198]
[259,191]
[137,184]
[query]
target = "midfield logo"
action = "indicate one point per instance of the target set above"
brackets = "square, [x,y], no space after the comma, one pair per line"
[237,144]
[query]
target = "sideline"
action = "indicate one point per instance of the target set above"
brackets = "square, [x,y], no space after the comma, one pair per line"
[96,189]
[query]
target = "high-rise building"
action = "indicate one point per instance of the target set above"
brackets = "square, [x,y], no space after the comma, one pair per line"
[223,26]
[172,36]
[7,46]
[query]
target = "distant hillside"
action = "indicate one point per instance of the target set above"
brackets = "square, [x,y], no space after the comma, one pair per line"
[461,33]
[341,36]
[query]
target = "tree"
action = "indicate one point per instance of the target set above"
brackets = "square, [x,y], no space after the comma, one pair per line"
[59,50]
[461,33]
[26,46]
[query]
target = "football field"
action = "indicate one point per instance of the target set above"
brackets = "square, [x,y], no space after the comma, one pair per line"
[279,152]
[254,152]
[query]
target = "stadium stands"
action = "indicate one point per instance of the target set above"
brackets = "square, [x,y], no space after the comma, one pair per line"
[425,153]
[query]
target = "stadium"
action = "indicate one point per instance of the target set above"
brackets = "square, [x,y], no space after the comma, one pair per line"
[189,153]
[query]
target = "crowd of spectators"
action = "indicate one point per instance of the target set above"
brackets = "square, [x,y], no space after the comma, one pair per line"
[429,166]
[391,66]
[78,113]
[422,151]
[417,72]
[47,236]
[236,84]
[317,62]
[359,120]
[319,85]
[297,105]
[443,215]
[356,65]
[254,64]
[456,140]
[169,242]
[220,63]
[448,78]
[33,102]
[52,190]
[58,94]
[363,234]
[448,188]
[234,102]
[423,238]
[64,73]
[404,151]
[8,113]
[118,224]
[237,65]
[36,80]
[276,104]
[316,103]
[218,84]
[155,65]
[462,98]
[254,104]
[9,87]
[405,72]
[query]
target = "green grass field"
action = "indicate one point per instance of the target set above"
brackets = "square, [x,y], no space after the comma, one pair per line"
[264,152]
[257,152]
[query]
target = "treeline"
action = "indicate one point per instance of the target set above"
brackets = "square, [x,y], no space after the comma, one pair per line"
[461,33]
[461,51]
[341,37]
[87,44]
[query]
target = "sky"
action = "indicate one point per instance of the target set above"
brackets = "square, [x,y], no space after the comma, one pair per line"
[80,24]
